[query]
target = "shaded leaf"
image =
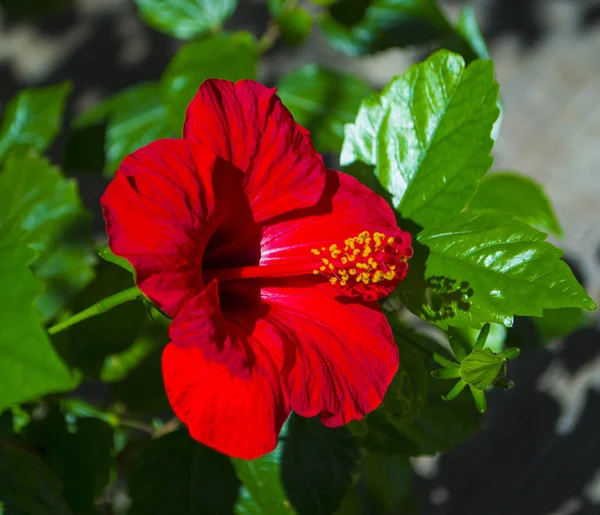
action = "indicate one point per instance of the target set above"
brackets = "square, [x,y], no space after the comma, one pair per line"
[27,486]
[317,465]
[486,267]
[407,392]
[323,101]
[557,323]
[358,28]
[185,19]
[135,117]
[428,135]
[81,459]
[517,196]
[175,475]
[32,118]
[223,56]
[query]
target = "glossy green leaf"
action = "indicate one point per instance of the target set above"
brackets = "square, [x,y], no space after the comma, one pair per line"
[428,135]
[517,196]
[468,27]
[185,19]
[323,101]
[29,366]
[175,475]
[358,28]
[135,117]
[27,486]
[317,465]
[294,25]
[223,56]
[32,118]
[262,491]
[487,267]
[81,457]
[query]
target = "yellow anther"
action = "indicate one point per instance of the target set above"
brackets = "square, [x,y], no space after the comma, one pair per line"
[315,252]
[389,275]
[316,272]
[335,253]
[325,261]
[344,260]
[333,280]
[366,251]
[364,234]
[352,271]
[390,240]
[331,267]
[323,268]
[332,247]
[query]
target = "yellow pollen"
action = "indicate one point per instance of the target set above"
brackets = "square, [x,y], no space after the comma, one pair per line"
[364,261]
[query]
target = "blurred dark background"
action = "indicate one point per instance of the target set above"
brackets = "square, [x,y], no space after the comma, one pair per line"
[540,451]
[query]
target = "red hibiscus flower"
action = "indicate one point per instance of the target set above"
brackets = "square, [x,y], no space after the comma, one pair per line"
[269,264]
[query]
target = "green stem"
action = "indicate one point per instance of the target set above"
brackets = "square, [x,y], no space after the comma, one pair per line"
[98,308]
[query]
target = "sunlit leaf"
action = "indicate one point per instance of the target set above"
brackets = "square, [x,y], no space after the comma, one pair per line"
[186,19]
[517,196]
[32,118]
[223,56]
[486,267]
[323,101]
[428,135]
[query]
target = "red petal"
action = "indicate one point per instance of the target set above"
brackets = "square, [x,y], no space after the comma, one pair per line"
[346,209]
[345,354]
[163,205]
[246,124]
[224,384]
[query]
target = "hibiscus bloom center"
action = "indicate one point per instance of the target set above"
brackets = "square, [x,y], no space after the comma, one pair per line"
[352,267]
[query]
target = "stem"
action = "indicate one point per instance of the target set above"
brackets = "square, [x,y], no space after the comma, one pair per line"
[98,308]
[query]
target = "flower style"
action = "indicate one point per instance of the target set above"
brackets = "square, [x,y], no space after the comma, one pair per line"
[269,264]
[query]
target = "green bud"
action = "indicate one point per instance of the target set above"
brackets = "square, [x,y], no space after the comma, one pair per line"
[482,368]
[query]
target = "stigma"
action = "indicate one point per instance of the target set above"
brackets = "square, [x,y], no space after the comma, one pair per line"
[367,265]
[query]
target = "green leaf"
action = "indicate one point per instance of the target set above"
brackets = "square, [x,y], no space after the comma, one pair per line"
[275,6]
[40,202]
[186,19]
[29,366]
[494,342]
[517,196]
[440,426]
[175,475]
[354,30]
[487,267]
[557,323]
[323,101]
[27,486]
[407,392]
[135,116]
[262,492]
[317,465]
[295,25]
[223,56]
[388,481]
[81,458]
[428,135]
[468,28]
[32,118]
